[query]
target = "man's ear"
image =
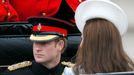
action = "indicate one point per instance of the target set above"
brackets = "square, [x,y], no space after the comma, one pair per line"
[60,44]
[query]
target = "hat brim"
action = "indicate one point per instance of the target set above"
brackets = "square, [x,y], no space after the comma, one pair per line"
[42,38]
[108,10]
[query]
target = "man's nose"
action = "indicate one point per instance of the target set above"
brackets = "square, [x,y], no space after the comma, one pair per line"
[37,48]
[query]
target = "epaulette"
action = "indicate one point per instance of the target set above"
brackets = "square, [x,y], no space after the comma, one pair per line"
[19,65]
[68,64]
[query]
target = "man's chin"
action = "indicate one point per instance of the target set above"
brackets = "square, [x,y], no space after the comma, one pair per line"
[39,60]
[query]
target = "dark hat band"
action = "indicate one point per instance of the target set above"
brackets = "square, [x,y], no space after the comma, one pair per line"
[44,28]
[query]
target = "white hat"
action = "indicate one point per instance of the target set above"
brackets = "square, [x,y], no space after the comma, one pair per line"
[105,9]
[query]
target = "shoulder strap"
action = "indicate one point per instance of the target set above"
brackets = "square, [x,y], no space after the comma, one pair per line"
[68,64]
[19,65]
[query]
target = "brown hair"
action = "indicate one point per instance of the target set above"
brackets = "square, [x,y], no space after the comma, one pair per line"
[101,49]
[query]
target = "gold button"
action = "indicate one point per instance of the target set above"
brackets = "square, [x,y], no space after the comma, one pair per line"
[3,1]
[43,14]
[8,14]
[80,0]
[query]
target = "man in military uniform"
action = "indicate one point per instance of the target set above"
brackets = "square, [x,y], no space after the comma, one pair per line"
[49,42]
[21,10]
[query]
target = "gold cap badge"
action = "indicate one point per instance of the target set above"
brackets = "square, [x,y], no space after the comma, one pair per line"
[39,27]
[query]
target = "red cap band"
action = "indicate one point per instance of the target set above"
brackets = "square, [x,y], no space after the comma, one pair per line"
[44,28]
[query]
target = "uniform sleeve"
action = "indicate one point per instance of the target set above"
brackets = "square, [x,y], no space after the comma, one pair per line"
[3,13]
[7,12]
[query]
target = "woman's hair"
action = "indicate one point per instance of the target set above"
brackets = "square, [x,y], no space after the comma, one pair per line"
[101,50]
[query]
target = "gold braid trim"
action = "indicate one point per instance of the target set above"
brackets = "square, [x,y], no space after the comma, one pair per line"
[19,65]
[68,64]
